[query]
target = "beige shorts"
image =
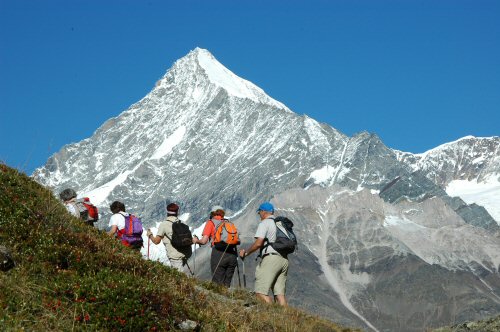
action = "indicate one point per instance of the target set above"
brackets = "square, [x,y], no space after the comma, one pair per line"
[270,274]
[177,264]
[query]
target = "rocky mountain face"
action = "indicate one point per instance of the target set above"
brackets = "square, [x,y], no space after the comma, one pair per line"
[201,136]
[469,158]
[383,244]
[403,266]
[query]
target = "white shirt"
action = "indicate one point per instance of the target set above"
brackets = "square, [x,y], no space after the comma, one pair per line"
[71,207]
[118,219]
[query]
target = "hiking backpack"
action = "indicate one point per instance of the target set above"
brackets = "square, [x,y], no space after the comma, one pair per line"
[286,241]
[226,234]
[93,212]
[181,236]
[132,233]
[82,210]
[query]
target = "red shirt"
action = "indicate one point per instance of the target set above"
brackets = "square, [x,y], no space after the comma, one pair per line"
[209,229]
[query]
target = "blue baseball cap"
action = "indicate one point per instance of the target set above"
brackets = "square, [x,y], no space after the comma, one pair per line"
[266,206]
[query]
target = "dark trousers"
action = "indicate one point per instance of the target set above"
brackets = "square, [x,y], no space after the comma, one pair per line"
[223,265]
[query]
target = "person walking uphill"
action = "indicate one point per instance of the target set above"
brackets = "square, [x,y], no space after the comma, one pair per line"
[177,256]
[68,196]
[126,227]
[80,208]
[224,258]
[272,270]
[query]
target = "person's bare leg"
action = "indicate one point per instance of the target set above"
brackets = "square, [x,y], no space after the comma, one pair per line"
[281,299]
[263,297]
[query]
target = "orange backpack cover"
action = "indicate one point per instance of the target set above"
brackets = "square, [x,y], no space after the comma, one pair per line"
[226,234]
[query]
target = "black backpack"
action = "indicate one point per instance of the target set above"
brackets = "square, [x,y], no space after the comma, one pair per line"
[181,236]
[286,241]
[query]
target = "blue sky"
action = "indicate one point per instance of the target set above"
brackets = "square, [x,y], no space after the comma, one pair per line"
[417,73]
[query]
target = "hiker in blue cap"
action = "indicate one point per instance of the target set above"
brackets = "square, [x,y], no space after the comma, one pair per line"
[272,270]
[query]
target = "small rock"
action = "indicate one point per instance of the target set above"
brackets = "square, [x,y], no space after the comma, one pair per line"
[6,261]
[188,325]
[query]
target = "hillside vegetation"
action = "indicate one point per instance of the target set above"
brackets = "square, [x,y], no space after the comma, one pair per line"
[69,276]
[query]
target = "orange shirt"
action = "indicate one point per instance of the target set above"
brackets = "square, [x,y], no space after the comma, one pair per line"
[209,229]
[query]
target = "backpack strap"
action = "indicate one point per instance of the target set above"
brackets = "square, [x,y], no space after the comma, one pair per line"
[173,222]
[266,240]
[130,221]
[216,227]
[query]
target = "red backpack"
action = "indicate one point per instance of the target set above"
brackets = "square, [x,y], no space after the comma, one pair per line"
[92,210]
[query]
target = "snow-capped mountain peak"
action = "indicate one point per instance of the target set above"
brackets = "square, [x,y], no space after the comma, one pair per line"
[200,63]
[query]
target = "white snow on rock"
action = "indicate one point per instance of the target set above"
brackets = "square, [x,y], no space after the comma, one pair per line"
[323,174]
[316,134]
[233,84]
[99,195]
[447,145]
[486,194]
[169,143]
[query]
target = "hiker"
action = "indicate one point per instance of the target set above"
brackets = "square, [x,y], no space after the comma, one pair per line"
[126,227]
[223,260]
[272,270]
[68,196]
[177,256]
[92,211]
[82,209]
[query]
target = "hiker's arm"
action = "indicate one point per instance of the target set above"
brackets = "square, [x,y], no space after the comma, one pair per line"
[113,230]
[203,240]
[155,239]
[259,243]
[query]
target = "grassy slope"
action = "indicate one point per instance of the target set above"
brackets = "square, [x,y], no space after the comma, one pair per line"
[488,325]
[72,277]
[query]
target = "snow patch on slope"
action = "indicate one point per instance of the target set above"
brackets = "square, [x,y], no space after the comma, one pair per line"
[99,195]
[323,174]
[169,143]
[486,194]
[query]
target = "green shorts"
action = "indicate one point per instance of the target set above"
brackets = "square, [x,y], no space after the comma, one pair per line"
[270,274]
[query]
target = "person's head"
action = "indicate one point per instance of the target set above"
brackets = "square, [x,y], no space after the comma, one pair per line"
[117,207]
[265,210]
[67,194]
[219,212]
[173,209]
[215,208]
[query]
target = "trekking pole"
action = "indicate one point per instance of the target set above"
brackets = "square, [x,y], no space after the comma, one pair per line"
[244,275]
[194,259]
[149,240]
[238,271]
[215,270]
[192,274]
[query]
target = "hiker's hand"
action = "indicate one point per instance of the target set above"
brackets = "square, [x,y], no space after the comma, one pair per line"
[243,253]
[149,233]
[195,239]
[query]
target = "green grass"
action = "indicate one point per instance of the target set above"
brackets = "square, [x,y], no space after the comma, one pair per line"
[72,277]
